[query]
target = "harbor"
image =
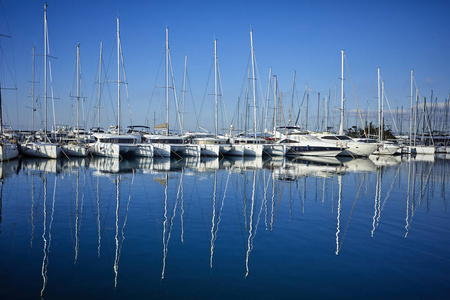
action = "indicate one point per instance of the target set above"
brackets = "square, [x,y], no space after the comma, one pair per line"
[248,150]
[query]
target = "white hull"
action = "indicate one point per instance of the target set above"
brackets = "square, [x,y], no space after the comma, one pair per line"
[75,150]
[388,149]
[425,150]
[8,151]
[251,150]
[190,150]
[105,149]
[359,149]
[139,150]
[44,150]
[121,150]
[299,149]
[275,149]
[161,150]
[210,150]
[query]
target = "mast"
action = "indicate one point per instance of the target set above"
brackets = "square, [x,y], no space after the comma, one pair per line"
[341,126]
[318,111]
[184,92]
[411,113]
[267,101]
[292,100]
[45,69]
[382,112]
[167,81]
[118,77]
[78,90]
[99,84]
[254,81]
[307,104]
[215,88]
[275,103]
[379,107]
[32,97]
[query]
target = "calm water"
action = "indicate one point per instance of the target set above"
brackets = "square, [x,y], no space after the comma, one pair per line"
[222,229]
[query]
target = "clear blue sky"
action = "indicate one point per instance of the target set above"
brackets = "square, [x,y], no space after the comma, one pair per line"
[306,36]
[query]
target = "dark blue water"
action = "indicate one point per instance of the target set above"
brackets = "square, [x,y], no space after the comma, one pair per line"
[222,229]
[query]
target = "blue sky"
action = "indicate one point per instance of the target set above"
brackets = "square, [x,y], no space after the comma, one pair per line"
[305,36]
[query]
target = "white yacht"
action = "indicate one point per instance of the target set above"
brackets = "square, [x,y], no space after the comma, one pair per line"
[246,146]
[359,147]
[210,145]
[388,148]
[44,149]
[301,143]
[119,145]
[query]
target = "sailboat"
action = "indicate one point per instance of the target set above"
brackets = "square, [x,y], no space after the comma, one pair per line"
[213,145]
[34,146]
[165,145]
[8,149]
[76,148]
[116,144]
[245,145]
[384,147]
[361,147]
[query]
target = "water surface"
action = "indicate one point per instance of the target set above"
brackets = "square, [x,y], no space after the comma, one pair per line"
[223,228]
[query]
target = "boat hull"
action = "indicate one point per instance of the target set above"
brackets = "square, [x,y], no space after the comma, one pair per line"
[44,150]
[275,149]
[301,150]
[8,151]
[75,150]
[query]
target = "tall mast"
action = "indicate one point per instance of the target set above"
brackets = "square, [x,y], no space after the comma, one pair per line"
[267,101]
[99,84]
[167,81]
[45,69]
[118,77]
[184,93]
[382,113]
[215,88]
[307,106]
[78,90]
[318,111]
[411,113]
[416,113]
[32,96]
[292,100]
[341,126]
[275,103]
[379,107]
[254,80]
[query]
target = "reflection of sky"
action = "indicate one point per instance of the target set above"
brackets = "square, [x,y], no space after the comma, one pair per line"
[283,234]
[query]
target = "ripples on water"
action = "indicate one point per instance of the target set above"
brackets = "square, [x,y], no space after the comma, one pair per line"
[210,228]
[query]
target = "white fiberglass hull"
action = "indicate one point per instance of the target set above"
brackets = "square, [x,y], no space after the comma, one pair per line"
[359,149]
[299,149]
[37,149]
[275,149]
[161,150]
[251,150]
[189,150]
[210,150]
[425,150]
[139,150]
[8,151]
[105,149]
[75,150]
[388,149]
